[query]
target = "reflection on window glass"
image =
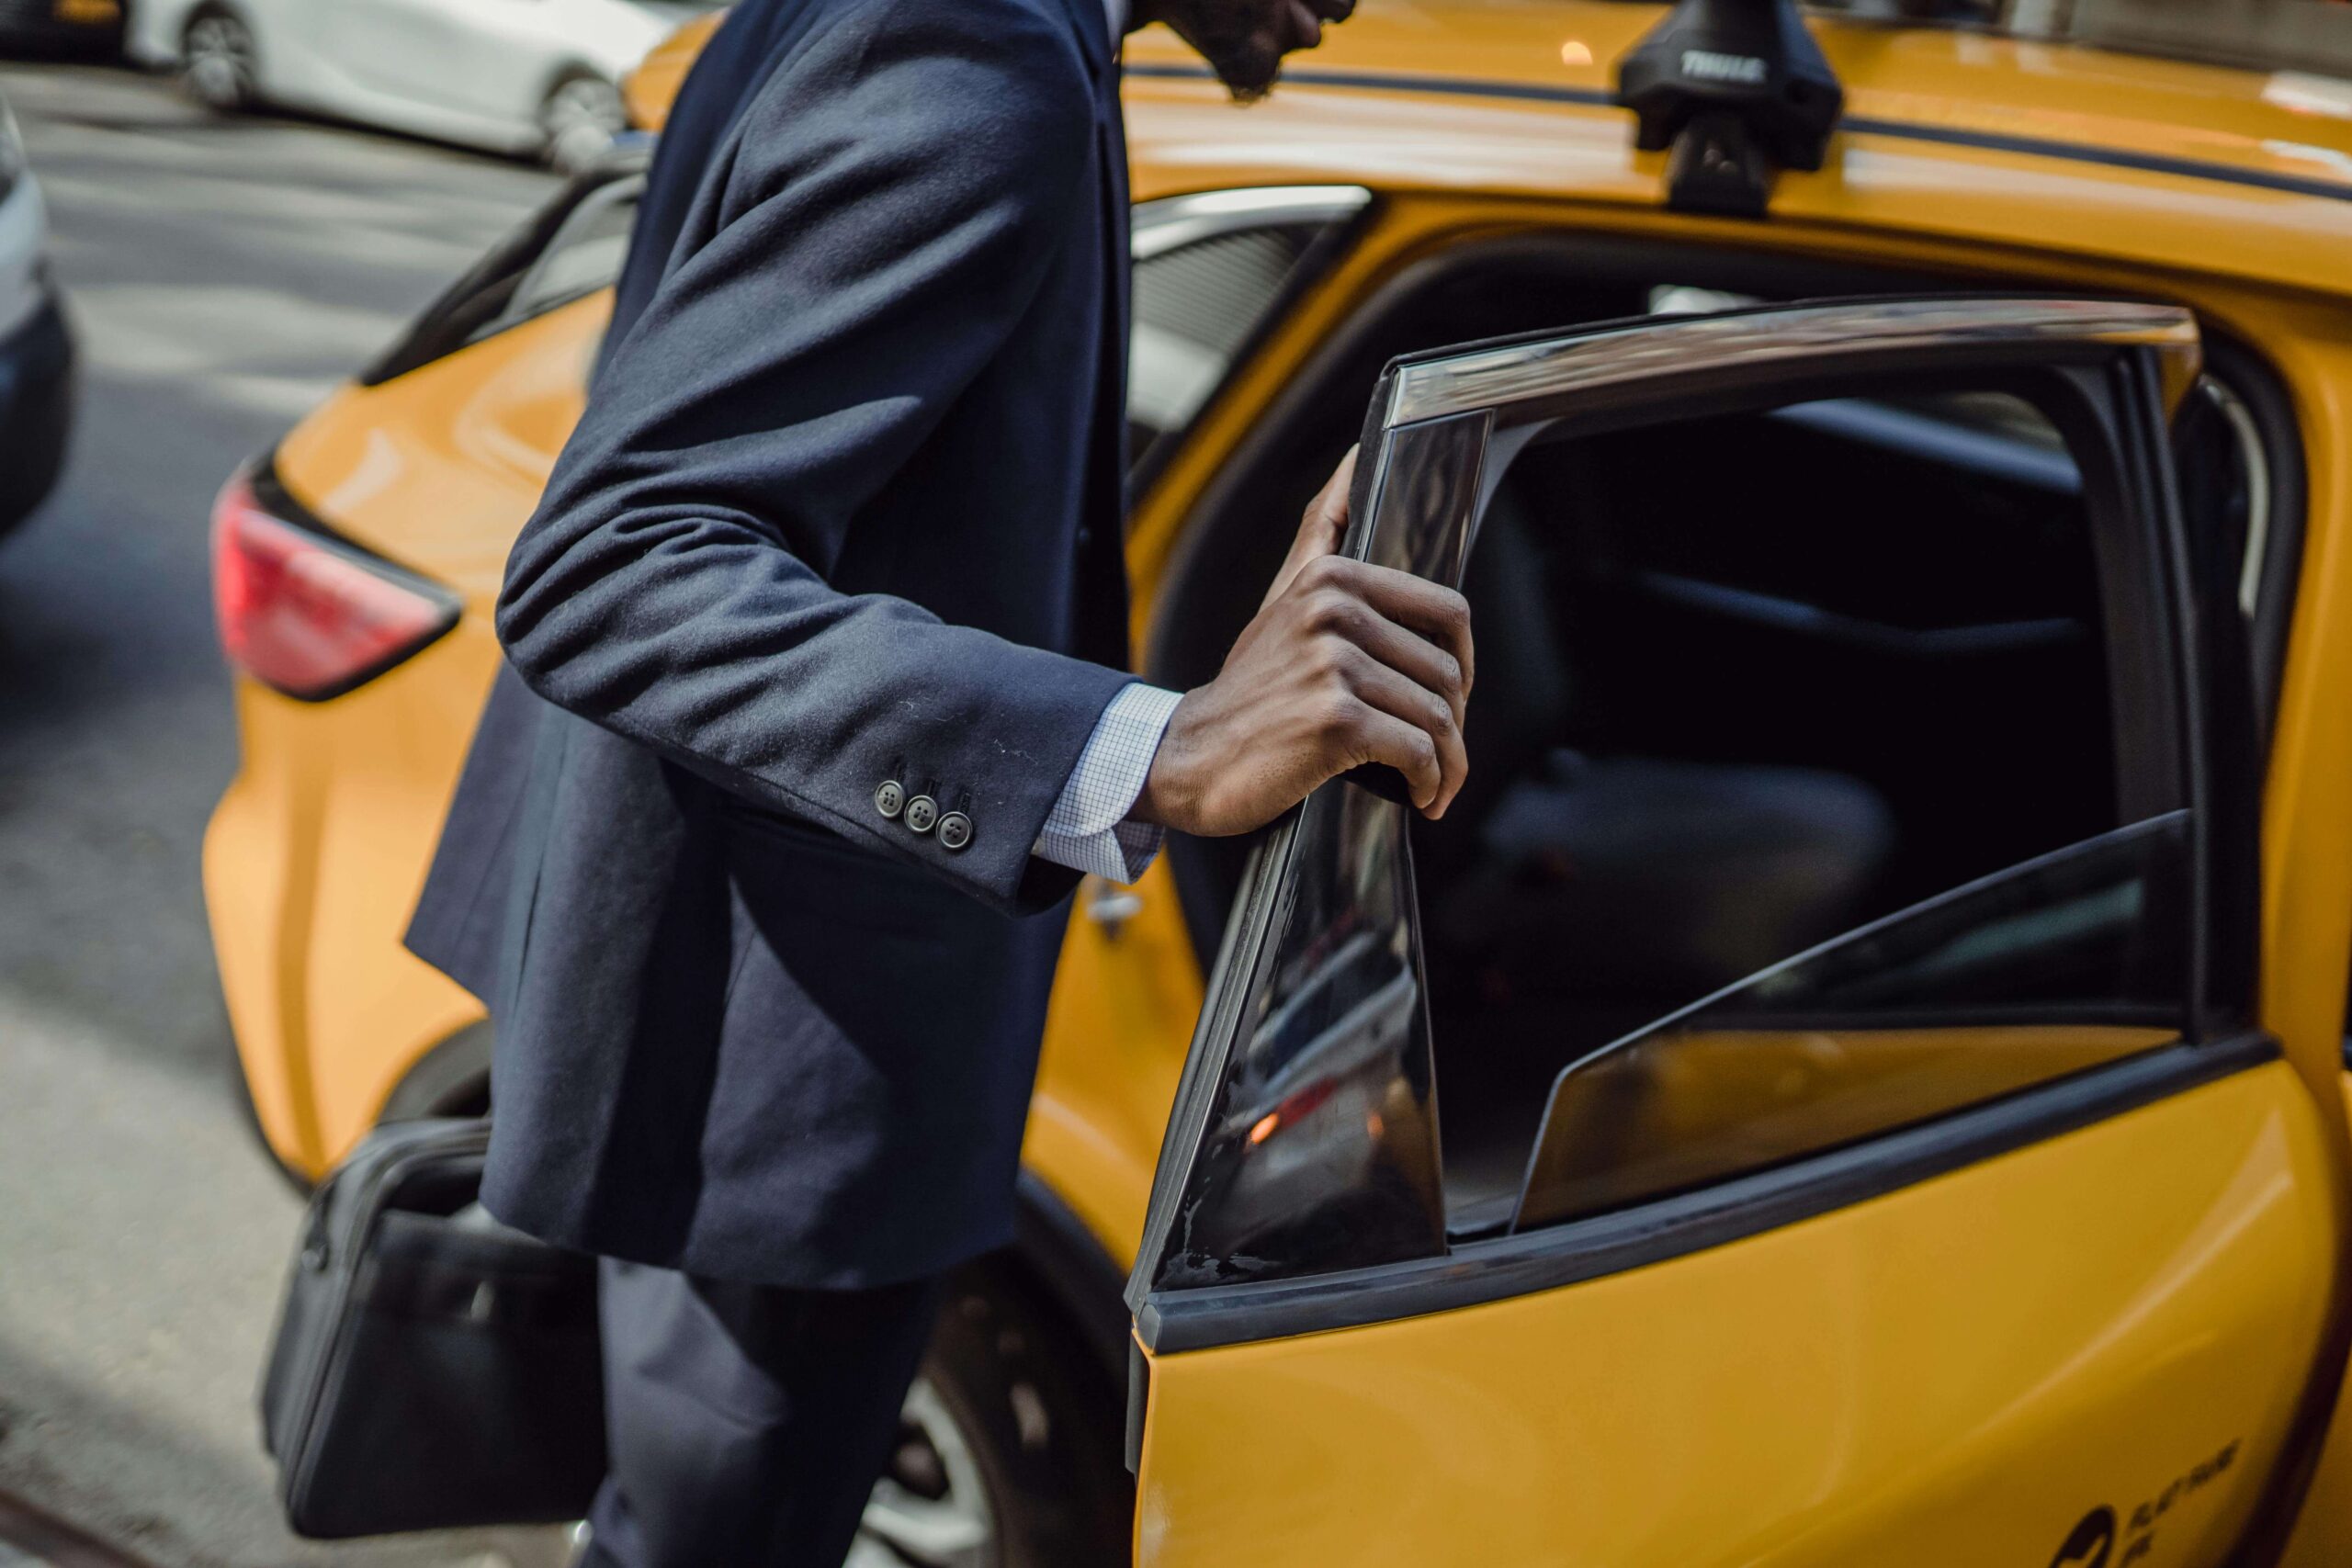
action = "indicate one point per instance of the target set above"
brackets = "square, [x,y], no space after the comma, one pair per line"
[585,255]
[1195,306]
[1321,1151]
[2066,963]
[570,248]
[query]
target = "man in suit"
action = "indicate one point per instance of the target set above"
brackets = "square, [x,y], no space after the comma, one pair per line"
[816,709]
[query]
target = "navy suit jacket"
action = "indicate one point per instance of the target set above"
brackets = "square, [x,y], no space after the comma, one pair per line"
[844,508]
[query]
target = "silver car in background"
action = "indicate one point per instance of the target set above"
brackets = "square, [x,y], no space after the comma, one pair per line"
[36,349]
[538,78]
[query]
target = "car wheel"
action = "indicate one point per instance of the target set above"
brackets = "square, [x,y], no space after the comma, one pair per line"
[578,122]
[220,61]
[1008,1451]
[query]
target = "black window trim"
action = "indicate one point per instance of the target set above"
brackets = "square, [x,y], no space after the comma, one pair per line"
[2248,378]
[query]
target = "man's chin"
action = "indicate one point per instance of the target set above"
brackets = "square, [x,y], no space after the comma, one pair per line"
[1249,77]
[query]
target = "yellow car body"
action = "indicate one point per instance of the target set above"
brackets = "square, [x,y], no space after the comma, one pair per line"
[2133,1316]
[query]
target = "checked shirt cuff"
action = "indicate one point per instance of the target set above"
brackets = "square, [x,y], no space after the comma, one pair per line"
[1088,829]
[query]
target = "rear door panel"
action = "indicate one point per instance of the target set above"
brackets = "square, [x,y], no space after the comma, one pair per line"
[1959,1373]
[1915,1270]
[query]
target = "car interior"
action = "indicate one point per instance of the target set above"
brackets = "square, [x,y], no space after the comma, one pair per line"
[1744,682]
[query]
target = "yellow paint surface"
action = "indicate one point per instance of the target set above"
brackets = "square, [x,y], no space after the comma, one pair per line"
[1954,1375]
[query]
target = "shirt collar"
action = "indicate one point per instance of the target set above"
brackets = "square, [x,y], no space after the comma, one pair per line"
[1115,13]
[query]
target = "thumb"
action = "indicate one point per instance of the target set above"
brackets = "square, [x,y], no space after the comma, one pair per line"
[1321,529]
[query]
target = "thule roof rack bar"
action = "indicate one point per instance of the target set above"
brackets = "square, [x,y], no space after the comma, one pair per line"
[1734,91]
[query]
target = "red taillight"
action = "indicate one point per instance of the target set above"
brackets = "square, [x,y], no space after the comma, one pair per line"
[306,615]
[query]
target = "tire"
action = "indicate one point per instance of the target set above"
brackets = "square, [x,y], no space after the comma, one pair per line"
[220,61]
[39,359]
[577,120]
[1009,1452]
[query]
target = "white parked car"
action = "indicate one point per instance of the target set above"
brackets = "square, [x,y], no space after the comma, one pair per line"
[537,77]
[36,349]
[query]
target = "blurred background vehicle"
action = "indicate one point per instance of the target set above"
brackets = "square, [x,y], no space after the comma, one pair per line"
[537,78]
[36,349]
[60,27]
[2287,36]
[2266,35]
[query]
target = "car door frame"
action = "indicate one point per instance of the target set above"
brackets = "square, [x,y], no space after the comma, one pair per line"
[1626,374]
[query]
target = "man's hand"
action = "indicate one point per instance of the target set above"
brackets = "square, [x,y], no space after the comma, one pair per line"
[1345,664]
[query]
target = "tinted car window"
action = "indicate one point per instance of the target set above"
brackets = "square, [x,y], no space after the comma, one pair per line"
[2066,963]
[1211,271]
[570,248]
[1208,273]
[1194,307]
[1795,787]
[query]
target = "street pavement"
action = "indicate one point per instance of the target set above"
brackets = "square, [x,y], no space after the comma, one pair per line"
[223,275]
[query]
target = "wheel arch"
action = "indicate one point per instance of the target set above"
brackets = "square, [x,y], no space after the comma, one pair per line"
[190,15]
[451,1079]
[1054,1248]
[263,88]
[571,68]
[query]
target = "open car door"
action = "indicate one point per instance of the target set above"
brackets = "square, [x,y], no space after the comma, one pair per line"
[1983,1226]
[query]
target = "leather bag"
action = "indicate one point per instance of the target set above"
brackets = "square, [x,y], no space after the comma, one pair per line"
[432,1369]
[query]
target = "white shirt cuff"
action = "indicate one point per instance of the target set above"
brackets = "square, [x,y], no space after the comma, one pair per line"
[1088,828]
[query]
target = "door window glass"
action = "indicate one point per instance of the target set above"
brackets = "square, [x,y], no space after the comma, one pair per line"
[1953,1004]
[1794,730]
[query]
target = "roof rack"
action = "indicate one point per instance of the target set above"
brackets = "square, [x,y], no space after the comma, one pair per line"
[1739,91]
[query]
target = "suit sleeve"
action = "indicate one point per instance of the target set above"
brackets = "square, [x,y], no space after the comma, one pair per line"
[895,199]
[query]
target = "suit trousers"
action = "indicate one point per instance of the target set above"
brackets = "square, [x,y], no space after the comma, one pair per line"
[747,1424]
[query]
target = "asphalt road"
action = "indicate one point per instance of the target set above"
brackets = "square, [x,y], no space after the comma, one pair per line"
[222,275]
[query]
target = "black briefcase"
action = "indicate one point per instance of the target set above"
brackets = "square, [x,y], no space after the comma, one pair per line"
[432,1369]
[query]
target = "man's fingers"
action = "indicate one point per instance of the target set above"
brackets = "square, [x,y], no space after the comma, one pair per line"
[1306,24]
[1384,738]
[1395,694]
[1437,613]
[1320,529]
[1324,522]
[1429,667]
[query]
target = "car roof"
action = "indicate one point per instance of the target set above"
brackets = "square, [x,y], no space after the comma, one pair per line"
[1948,133]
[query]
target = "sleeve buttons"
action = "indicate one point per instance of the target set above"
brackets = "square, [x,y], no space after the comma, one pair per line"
[954,830]
[922,814]
[890,798]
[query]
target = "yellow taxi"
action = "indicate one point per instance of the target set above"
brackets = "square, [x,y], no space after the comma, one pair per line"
[1857,1076]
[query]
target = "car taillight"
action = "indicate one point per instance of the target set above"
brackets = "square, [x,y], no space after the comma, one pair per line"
[307,614]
